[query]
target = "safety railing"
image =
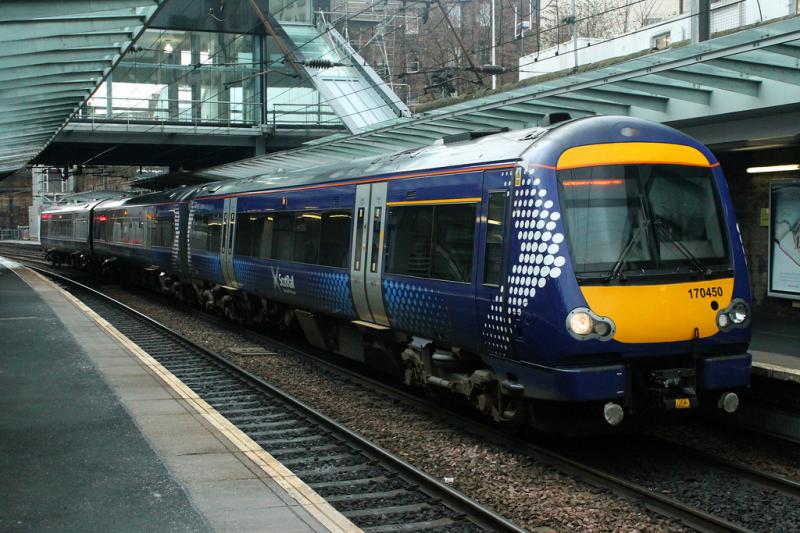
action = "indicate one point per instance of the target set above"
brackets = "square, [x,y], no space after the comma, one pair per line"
[169,111]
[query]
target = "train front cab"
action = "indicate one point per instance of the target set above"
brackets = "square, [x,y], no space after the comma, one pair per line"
[629,292]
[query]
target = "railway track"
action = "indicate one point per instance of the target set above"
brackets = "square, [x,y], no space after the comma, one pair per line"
[376,490]
[645,491]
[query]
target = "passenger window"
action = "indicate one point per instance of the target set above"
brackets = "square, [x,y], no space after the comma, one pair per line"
[254,234]
[432,241]
[207,232]
[493,252]
[335,240]
[306,238]
[283,236]
[162,231]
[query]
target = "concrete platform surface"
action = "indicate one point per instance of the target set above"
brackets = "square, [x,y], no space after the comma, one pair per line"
[775,347]
[93,439]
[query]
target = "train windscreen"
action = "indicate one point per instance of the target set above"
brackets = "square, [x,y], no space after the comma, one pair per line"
[641,220]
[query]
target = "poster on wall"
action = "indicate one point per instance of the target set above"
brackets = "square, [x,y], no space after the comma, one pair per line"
[784,232]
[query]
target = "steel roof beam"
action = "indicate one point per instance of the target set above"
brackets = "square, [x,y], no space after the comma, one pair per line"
[53,27]
[48,70]
[685,93]
[702,77]
[34,9]
[40,105]
[655,103]
[787,49]
[762,70]
[90,78]
[38,131]
[24,47]
[53,112]
[485,120]
[434,128]
[64,93]
[383,144]
[24,93]
[592,106]
[59,56]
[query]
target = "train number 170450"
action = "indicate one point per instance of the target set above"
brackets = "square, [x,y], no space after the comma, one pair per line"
[705,292]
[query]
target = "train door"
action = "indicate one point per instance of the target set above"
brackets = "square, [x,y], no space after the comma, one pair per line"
[491,284]
[228,241]
[367,253]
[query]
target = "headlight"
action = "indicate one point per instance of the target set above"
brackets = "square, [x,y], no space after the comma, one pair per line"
[736,315]
[581,323]
[738,312]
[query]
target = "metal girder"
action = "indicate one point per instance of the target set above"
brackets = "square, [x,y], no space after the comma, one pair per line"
[383,145]
[60,43]
[392,141]
[670,90]
[7,94]
[34,9]
[463,123]
[424,130]
[44,81]
[761,70]
[483,120]
[40,28]
[63,93]
[55,113]
[702,77]
[37,131]
[59,56]
[656,103]
[35,72]
[791,50]
[588,105]
[440,127]
[39,105]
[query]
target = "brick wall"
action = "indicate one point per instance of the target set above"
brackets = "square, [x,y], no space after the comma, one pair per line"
[15,199]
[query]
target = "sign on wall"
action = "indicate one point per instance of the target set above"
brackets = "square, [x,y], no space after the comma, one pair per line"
[784,232]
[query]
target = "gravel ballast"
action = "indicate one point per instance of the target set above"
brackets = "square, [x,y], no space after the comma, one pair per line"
[530,493]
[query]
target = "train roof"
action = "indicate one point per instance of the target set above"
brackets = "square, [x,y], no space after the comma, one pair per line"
[85,201]
[494,148]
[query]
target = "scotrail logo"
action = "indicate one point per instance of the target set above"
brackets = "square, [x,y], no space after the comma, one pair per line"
[282,283]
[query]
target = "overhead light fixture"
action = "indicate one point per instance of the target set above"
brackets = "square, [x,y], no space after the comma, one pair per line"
[168,48]
[773,168]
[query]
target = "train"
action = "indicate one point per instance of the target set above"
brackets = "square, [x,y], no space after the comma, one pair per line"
[586,271]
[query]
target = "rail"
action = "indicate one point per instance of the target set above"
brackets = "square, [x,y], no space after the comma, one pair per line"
[322,452]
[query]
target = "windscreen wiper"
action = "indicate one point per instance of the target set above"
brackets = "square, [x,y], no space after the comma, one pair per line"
[662,232]
[615,272]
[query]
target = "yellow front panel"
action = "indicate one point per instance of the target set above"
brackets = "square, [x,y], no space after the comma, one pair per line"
[593,155]
[660,313]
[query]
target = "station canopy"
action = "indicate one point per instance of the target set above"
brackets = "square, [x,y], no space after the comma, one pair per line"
[53,55]
[745,72]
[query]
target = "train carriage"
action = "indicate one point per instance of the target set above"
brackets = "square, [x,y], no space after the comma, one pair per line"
[592,268]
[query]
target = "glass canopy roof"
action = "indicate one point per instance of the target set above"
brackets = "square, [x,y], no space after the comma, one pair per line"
[52,57]
[753,69]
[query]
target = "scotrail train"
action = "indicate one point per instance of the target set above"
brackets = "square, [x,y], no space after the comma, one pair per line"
[591,269]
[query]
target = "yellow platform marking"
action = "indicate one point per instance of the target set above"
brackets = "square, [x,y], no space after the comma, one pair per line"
[312,502]
[593,155]
[658,313]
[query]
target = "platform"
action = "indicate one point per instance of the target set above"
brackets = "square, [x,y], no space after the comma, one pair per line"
[95,440]
[776,348]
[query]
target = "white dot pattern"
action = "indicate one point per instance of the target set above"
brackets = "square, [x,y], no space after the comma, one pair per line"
[537,260]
